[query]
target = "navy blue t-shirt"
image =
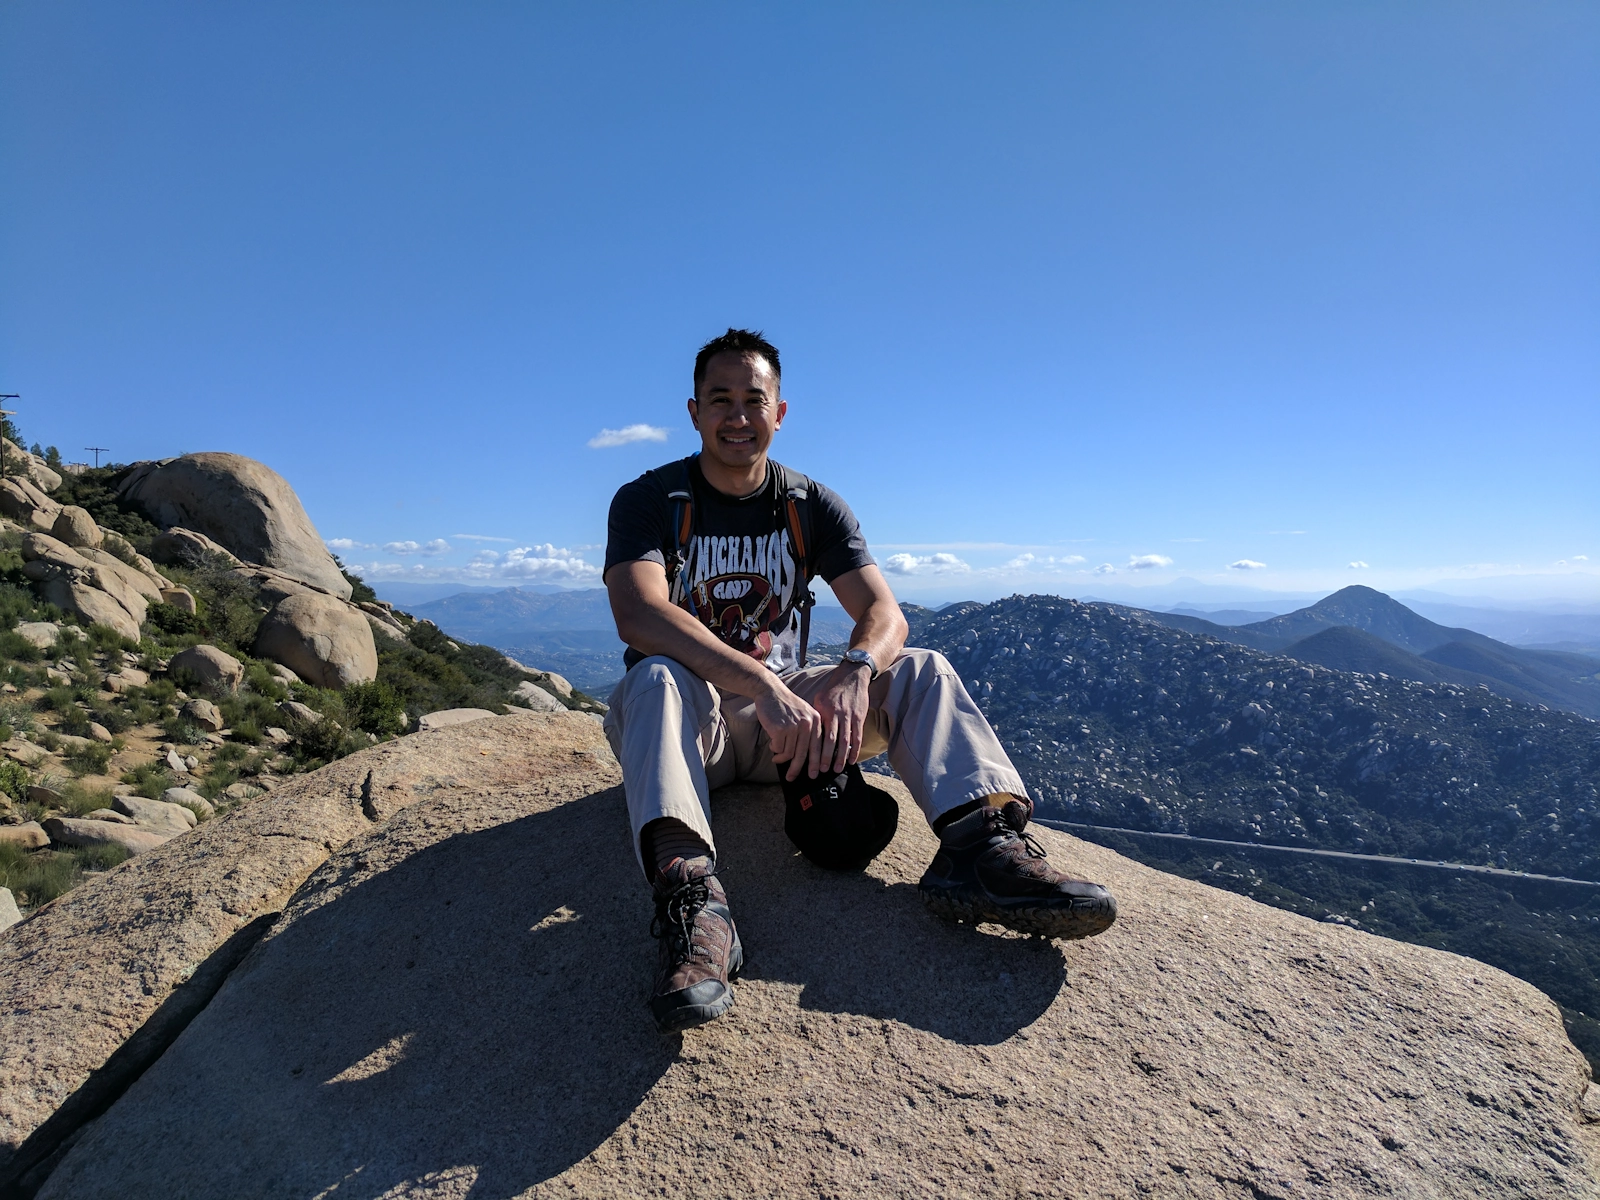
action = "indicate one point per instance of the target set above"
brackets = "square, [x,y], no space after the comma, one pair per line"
[739,573]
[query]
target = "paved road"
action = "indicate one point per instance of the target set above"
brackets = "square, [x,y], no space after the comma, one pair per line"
[1377,858]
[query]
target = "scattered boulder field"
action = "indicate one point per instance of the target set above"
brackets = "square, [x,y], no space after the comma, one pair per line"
[175,633]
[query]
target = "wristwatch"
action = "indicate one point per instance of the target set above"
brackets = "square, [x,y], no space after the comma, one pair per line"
[861,656]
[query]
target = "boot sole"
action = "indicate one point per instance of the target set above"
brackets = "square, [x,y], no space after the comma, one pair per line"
[677,1018]
[1071,921]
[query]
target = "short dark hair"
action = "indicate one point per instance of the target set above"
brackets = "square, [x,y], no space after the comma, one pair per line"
[735,341]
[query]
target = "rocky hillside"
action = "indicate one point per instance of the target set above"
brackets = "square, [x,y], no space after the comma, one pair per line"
[406,1025]
[1359,629]
[175,638]
[1118,720]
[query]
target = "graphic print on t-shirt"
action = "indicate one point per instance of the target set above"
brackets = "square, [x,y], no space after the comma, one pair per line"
[739,587]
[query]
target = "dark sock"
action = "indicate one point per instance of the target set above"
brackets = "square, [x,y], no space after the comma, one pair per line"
[945,820]
[667,838]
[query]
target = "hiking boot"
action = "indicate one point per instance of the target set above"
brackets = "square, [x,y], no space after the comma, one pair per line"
[990,869]
[700,949]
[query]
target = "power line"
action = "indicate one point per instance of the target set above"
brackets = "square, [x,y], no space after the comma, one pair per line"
[5,412]
[98,451]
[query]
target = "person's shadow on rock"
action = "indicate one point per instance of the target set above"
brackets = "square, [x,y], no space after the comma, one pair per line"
[477,1009]
[860,945]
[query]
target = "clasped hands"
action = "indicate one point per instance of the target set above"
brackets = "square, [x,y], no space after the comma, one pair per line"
[823,736]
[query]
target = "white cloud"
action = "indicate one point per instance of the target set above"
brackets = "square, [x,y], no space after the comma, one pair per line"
[394,570]
[1358,565]
[521,564]
[608,438]
[1035,562]
[1146,562]
[436,546]
[480,537]
[1580,558]
[1105,569]
[930,564]
[345,545]
[1247,564]
[536,564]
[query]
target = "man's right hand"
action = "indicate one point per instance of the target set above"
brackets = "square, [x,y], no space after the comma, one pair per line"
[794,728]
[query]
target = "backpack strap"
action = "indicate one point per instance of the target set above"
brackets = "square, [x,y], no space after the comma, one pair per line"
[674,480]
[795,491]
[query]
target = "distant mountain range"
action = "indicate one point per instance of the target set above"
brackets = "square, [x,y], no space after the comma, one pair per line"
[570,632]
[1359,629]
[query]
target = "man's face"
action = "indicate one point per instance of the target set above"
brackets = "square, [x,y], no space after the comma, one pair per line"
[737,409]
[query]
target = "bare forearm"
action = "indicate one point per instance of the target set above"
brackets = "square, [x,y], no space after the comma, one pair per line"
[669,631]
[881,632]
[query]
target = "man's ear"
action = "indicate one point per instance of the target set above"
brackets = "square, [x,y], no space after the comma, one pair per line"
[782,411]
[694,412]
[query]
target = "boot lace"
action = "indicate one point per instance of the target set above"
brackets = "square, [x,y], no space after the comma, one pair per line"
[1030,843]
[675,915]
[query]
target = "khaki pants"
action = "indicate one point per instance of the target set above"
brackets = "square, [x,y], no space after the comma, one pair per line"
[677,738]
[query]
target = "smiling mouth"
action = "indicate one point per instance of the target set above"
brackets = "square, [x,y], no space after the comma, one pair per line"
[739,439]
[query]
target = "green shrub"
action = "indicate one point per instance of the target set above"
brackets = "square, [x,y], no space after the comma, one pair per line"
[182,730]
[101,858]
[246,707]
[61,697]
[91,758]
[158,692]
[149,780]
[320,742]
[49,739]
[18,648]
[14,779]
[264,683]
[37,878]
[217,779]
[227,605]
[18,602]
[17,713]
[115,717]
[376,708]
[78,799]
[171,620]
[74,721]
[96,490]
[103,639]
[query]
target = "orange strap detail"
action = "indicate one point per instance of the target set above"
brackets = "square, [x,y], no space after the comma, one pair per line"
[794,531]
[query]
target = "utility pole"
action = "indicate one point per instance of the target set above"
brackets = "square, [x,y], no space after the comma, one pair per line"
[4,396]
[98,451]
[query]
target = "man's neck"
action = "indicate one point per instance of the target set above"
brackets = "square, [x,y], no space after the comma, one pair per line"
[736,483]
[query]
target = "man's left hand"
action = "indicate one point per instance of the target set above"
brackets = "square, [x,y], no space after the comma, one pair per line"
[842,703]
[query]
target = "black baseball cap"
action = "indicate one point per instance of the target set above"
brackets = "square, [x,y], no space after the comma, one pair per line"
[839,820]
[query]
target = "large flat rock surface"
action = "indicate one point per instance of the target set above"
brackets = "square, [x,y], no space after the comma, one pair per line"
[88,971]
[453,1004]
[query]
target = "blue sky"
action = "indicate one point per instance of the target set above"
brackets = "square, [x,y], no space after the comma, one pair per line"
[1072,298]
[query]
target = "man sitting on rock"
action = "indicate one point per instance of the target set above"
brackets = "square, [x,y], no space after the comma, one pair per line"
[708,563]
